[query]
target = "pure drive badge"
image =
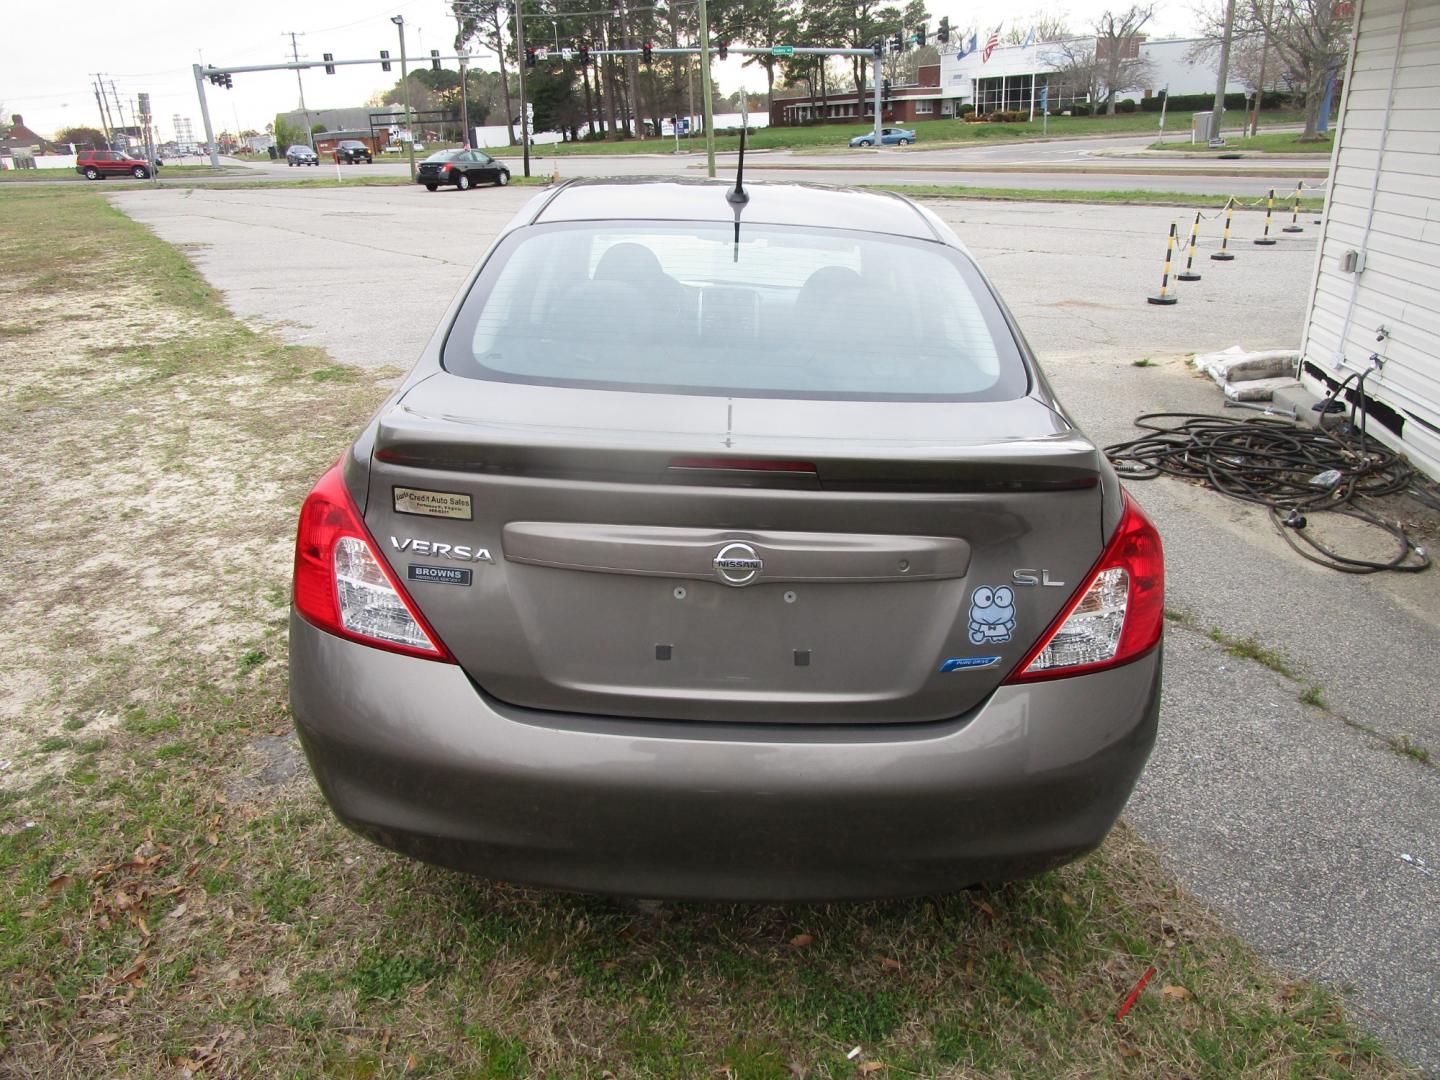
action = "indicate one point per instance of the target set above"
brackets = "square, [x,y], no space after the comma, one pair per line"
[441,575]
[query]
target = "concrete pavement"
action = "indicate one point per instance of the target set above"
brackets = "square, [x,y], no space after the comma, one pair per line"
[1284,817]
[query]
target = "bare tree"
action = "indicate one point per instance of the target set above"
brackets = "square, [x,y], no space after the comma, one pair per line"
[1117,52]
[1302,41]
[1076,74]
[488,21]
[1045,26]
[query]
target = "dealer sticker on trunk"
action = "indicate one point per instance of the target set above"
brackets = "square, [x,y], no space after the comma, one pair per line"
[442,504]
[443,575]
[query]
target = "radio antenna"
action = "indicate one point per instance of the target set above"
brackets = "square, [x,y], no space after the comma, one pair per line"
[739,194]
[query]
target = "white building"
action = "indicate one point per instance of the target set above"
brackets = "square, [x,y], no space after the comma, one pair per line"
[1375,297]
[1014,72]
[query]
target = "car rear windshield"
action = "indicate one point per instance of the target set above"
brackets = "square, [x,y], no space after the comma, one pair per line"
[782,312]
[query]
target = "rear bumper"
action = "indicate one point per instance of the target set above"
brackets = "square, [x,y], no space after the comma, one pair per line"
[411,755]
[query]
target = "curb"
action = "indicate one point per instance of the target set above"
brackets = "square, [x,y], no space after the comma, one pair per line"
[1299,172]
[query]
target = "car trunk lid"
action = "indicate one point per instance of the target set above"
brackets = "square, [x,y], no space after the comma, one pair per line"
[717,558]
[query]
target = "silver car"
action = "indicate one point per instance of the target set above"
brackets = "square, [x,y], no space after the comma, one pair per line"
[727,547]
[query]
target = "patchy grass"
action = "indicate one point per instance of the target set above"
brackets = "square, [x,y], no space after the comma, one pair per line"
[1251,648]
[1144,362]
[929,133]
[21,176]
[1287,142]
[1405,747]
[1133,197]
[174,898]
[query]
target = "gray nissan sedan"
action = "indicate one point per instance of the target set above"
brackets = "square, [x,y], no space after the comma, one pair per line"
[727,544]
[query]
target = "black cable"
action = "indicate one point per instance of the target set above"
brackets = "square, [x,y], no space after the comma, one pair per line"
[1291,471]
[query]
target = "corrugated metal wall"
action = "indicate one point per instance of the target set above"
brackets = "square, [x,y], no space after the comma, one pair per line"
[1390,121]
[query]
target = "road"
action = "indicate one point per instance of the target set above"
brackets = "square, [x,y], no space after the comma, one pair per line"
[1283,817]
[1086,164]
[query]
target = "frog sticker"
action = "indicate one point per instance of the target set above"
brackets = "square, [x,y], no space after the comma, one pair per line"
[992,615]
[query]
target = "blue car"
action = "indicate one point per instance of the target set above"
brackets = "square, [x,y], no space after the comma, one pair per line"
[888,137]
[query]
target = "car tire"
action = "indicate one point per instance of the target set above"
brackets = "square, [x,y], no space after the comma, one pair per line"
[866,142]
[431,187]
[503,178]
[902,142]
[92,173]
[462,182]
[139,172]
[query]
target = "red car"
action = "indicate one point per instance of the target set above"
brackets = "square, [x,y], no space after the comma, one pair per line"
[97,164]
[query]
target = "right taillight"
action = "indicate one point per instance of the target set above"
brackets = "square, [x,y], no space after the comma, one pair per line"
[1118,614]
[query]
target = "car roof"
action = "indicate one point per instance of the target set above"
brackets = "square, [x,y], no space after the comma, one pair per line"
[770,203]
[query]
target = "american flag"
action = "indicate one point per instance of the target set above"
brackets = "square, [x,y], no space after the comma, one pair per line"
[990,45]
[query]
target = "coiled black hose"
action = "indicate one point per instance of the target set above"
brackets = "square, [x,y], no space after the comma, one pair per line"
[1282,467]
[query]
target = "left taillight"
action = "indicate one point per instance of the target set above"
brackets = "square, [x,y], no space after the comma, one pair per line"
[343,586]
[1116,616]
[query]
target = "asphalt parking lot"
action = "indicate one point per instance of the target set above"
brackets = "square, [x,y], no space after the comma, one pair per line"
[1300,828]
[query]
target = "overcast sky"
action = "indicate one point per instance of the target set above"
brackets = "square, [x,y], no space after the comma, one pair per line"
[55,49]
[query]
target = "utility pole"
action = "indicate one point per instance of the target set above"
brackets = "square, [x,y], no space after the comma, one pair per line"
[521,59]
[119,108]
[1224,76]
[205,118]
[690,120]
[464,87]
[707,105]
[399,21]
[144,114]
[104,113]
[295,52]
[877,80]
[1260,90]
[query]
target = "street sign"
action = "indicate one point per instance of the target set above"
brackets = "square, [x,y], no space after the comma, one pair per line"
[542,54]
[782,50]
[567,54]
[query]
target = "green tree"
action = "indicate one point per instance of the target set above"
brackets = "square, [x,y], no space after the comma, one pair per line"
[83,137]
[288,135]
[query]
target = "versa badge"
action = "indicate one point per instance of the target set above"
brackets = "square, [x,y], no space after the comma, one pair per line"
[458,552]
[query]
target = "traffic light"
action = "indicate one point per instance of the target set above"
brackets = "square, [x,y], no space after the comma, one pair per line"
[435,59]
[329,67]
[878,49]
[943,34]
[724,49]
[646,51]
[229,82]
[384,59]
[885,90]
[584,53]
[897,42]
[529,55]
[921,33]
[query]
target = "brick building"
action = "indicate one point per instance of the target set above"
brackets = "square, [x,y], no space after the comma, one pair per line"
[898,104]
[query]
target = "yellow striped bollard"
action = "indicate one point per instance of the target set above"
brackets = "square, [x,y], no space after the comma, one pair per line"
[1189,274]
[1295,225]
[1266,240]
[1224,255]
[1165,297]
